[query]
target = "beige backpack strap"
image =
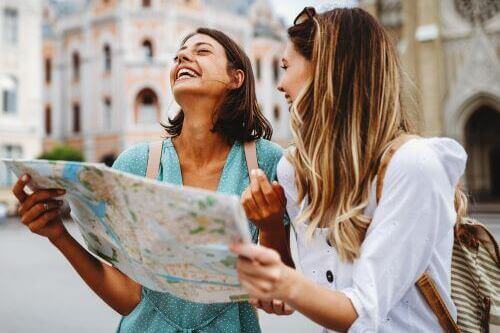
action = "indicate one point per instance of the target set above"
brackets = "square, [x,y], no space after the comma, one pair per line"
[431,295]
[154,159]
[251,156]
[394,145]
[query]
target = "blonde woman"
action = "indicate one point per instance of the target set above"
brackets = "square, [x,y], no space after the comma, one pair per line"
[360,257]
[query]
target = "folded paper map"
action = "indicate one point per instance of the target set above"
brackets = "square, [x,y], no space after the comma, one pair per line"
[167,238]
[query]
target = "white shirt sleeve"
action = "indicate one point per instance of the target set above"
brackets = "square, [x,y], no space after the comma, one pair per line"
[415,212]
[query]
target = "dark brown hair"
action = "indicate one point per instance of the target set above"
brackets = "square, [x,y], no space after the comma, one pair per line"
[238,117]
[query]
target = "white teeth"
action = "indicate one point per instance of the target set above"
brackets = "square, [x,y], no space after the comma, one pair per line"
[186,71]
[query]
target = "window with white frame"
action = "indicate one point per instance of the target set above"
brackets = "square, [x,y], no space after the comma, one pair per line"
[107,113]
[147,50]
[107,58]
[8,89]
[10,26]
[7,178]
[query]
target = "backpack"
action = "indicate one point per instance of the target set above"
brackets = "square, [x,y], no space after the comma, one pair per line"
[475,269]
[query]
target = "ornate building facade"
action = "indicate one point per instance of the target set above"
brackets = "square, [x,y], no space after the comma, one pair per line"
[450,50]
[20,76]
[107,62]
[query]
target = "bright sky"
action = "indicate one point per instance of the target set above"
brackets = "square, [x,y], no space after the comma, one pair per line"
[288,9]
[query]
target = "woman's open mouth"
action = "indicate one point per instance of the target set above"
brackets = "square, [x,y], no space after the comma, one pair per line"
[186,73]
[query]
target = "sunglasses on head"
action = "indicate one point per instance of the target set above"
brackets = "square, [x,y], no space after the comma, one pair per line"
[306,14]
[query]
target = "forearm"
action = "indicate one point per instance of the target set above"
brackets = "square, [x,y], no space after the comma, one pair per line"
[331,309]
[279,240]
[112,286]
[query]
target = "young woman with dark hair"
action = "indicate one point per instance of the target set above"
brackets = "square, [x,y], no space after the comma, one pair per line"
[213,82]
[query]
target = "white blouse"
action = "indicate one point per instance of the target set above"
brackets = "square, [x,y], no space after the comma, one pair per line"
[411,232]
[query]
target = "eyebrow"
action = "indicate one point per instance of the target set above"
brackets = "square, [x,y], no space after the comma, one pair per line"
[197,44]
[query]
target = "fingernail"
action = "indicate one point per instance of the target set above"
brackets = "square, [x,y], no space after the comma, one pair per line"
[60,192]
[260,172]
[24,178]
[254,172]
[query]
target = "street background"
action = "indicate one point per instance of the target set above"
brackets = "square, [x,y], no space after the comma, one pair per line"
[84,80]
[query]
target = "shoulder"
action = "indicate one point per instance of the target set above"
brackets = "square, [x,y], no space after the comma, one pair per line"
[133,160]
[268,153]
[427,160]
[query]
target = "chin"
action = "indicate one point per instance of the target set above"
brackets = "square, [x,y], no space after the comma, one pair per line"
[186,86]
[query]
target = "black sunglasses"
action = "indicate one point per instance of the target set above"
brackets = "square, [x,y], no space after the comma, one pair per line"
[306,14]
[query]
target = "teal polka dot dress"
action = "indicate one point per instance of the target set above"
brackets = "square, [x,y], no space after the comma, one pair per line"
[163,312]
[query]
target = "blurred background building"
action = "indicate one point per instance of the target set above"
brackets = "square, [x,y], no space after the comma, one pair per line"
[107,63]
[20,76]
[450,50]
[93,75]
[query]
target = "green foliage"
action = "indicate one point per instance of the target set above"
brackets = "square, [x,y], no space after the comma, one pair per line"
[63,153]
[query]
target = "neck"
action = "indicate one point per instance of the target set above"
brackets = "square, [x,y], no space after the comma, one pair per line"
[197,143]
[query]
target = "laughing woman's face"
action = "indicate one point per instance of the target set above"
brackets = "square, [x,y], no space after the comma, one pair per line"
[297,72]
[200,68]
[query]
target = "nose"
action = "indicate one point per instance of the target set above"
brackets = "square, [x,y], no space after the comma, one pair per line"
[280,86]
[184,56]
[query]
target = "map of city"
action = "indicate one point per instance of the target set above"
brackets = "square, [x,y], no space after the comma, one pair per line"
[167,238]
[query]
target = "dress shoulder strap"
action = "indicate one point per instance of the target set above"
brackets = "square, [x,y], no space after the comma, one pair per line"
[251,155]
[154,158]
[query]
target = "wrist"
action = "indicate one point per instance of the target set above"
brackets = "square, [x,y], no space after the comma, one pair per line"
[291,284]
[60,238]
[272,228]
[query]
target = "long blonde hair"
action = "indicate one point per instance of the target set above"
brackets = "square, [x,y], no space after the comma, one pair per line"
[343,120]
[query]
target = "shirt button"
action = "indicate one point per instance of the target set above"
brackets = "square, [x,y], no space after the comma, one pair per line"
[329,276]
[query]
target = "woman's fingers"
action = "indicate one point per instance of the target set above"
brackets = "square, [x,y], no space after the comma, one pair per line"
[280,193]
[253,291]
[266,306]
[38,209]
[257,194]
[287,309]
[277,307]
[266,188]
[18,188]
[43,220]
[250,206]
[256,252]
[274,306]
[39,196]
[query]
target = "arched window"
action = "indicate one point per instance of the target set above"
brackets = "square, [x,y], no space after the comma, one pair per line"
[147,49]
[258,68]
[8,88]
[107,58]
[48,120]
[146,3]
[75,61]
[10,26]
[48,70]
[76,118]
[277,112]
[482,140]
[108,159]
[276,70]
[107,113]
[147,108]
